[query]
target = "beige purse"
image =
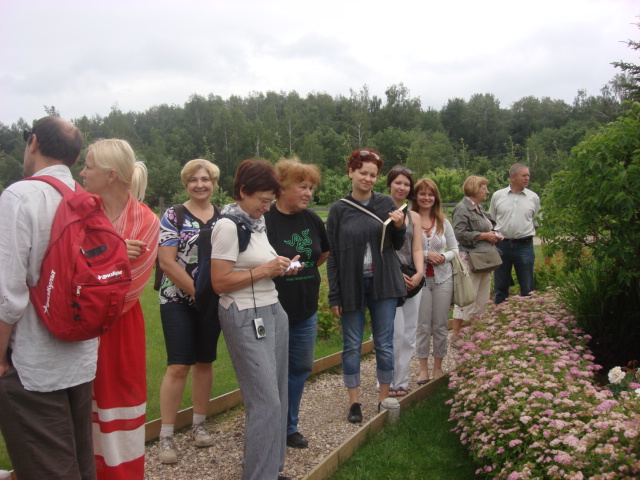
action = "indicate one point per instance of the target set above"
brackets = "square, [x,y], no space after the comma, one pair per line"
[463,292]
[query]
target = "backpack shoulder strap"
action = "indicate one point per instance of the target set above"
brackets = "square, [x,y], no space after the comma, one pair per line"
[180,210]
[81,201]
[56,183]
[243,229]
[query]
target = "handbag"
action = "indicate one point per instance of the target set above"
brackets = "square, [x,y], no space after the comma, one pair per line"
[463,292]
[410,271]
[485,262]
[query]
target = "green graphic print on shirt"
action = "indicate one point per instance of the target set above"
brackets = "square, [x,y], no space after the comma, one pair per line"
[300,243]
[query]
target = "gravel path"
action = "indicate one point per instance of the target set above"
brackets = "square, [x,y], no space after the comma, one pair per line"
[323,420]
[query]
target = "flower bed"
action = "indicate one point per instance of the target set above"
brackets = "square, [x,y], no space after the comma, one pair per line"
[525,402]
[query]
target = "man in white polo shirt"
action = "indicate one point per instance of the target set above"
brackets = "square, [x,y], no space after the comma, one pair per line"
[515,209]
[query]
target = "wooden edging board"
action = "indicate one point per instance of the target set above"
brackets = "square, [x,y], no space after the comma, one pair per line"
[332,462]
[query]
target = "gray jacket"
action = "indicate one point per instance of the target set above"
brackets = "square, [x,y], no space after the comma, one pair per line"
[349,231]
[468,223]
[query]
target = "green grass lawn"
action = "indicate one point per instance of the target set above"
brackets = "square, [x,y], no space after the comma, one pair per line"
[420,446]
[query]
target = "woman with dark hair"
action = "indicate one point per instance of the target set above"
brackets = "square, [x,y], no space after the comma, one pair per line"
[294,229]
[120,387]
[401,188]
[363,275]
[438,244]
[255,326]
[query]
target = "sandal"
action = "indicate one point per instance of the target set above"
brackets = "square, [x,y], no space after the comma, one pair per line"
[401,392]
[423,382]
[457,342]
[393,393]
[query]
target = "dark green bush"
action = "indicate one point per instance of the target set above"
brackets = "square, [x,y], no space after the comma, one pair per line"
[608,312]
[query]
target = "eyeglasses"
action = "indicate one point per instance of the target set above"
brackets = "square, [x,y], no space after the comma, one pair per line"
[402,169]
[364,153]
[26,134]
[265,202]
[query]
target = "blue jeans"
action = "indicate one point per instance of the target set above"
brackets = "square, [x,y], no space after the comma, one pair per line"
[522,258]
[382,312]
[302,342]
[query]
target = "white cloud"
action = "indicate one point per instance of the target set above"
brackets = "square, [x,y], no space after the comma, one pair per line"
[85,56]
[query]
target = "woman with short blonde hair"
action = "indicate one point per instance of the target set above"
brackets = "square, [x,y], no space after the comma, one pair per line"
[473,228]
[190,336]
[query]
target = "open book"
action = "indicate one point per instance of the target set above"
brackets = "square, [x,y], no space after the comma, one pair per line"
[388,225]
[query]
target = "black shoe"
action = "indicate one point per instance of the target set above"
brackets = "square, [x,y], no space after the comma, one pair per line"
[355,413]
[297,440]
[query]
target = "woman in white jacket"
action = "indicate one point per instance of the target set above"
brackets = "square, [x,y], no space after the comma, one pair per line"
[438,244]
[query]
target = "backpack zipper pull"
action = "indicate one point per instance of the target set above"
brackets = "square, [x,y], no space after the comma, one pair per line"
[78,288]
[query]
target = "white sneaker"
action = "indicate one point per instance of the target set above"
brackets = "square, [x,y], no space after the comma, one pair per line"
[168,451]
[202,436]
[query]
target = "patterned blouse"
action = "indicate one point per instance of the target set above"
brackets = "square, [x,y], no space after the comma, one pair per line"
[186,239]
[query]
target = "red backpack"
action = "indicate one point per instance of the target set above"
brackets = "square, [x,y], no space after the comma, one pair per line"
[85,272]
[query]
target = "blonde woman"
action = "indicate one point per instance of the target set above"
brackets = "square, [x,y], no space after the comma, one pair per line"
[474,231]
[190,338]
[120,387]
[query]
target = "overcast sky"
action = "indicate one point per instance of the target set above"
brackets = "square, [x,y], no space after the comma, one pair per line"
[85,56]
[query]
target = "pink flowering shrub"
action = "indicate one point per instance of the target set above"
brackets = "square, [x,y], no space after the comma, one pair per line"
[525,403]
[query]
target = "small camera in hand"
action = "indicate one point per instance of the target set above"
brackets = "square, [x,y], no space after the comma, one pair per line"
[261,332]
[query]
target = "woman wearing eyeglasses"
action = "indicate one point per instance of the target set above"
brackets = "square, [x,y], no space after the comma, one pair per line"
[400,184]
[255,326]
[362,276]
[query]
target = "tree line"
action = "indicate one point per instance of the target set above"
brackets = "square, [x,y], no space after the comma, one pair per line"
[474,136]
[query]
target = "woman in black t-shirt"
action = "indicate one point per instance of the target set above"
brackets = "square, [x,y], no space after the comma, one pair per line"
[294,230]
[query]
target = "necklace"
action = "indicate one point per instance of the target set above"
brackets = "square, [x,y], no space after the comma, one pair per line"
[428,229]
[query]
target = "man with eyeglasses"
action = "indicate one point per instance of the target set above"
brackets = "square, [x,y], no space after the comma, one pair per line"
[45,383]
[515,210]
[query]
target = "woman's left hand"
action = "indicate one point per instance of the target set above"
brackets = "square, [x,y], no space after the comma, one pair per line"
[435,258]
[135,248]
[397,217]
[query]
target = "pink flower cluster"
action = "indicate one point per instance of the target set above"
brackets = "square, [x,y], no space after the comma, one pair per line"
[525,402]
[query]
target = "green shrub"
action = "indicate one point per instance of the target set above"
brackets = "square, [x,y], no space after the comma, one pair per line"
[591,210]
[606,311]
